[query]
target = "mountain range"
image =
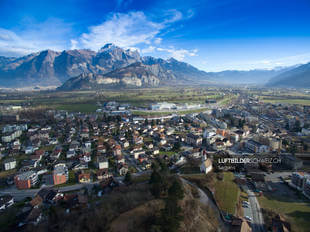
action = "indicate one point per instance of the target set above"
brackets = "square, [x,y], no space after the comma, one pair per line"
[113,67]
[298,77]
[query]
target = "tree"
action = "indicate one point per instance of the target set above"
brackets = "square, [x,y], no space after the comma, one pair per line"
[128,178]
[297,127]
[146,122]
[156,190]
[153,123]
[155,178]
[171,216]
[177,146]
[176,191]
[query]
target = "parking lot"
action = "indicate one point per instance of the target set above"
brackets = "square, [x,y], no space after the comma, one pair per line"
[277,186]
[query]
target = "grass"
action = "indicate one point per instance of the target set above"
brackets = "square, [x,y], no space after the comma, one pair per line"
[297,213]
[5,174]
[141,178]
[288,101]
[135,219]
[83,107]
[168,153]
[227,193]
[48,148]
[190,170]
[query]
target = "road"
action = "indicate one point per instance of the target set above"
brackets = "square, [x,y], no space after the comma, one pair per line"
[20,195]
[254,211]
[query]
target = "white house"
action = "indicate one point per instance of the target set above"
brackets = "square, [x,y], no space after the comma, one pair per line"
[206,165]
[102,162]
[9,164]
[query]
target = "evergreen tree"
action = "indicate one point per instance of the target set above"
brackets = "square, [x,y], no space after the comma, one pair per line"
[128,178]
[176,191]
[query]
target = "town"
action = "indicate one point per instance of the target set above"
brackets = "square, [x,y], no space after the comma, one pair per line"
[51,156]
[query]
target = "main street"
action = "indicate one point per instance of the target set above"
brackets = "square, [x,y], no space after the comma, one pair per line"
[254,211]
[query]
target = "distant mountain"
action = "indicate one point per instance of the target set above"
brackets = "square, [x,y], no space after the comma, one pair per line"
[181,70]
[113,66]
[54,68]
[48,68]
[256,76]
[295,78]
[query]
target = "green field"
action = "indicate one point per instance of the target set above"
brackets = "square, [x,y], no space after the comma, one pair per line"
[84,108]
[286,98]
[288,101]
[227,193]
[86,101]
[167,153]
[297,212]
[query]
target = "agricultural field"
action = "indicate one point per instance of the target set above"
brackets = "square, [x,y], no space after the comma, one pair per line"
[86,101]
[287,97]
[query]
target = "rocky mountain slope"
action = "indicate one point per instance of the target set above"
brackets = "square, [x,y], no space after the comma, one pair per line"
[134,75]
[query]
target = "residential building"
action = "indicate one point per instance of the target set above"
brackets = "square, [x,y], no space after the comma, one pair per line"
[102,162]
[84,178]
[256,147]
[26,180]
[60,174]
[9,164]
[193,139]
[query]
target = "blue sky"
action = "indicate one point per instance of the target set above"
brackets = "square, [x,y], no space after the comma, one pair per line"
[212,35]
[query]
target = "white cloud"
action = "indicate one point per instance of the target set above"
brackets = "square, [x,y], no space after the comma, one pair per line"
[178,54]
[50,34]
[172,16]
[282,61]
[124,30]
[73,44]
[149,49]
[157,40]
[127,30]
[267,64]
